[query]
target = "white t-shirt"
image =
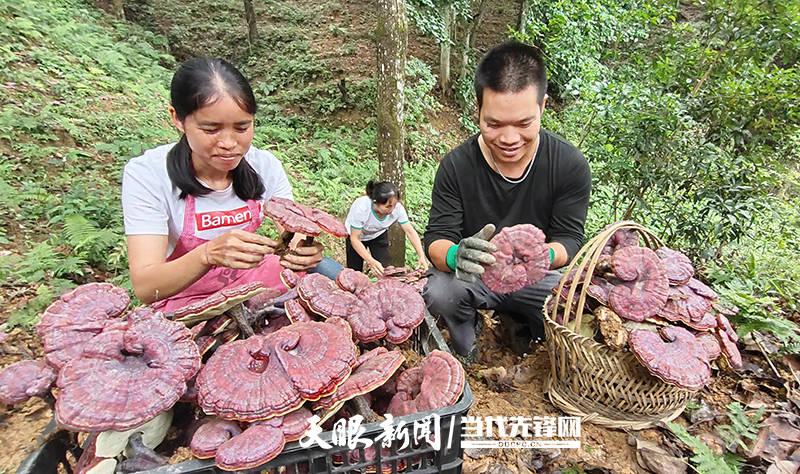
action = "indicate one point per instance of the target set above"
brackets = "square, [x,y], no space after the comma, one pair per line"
[362,217]
[151,204]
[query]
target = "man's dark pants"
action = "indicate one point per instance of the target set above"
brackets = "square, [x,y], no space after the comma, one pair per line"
[456,302]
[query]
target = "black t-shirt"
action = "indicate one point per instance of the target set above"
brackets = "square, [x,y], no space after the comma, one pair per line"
[468,194]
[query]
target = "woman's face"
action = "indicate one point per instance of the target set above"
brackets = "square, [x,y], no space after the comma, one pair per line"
[386,208]
[219,135]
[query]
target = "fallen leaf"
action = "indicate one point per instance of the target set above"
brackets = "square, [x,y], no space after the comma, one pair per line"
[784,467]
[652,457]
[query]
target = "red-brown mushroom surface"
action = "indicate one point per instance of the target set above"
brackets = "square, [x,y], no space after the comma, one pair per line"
[211,435]
[296,312]
[323,297]
[291,216]
[289,278]
[702,289]
[710,344]
[729,349]
[267,376]
[677,265]
[25,379]
[258,444]
[522,259]
[217,303]
[620,239]
[76,317]
[643,287]
[126,375]
[327,222]
[725,325]
[438,382]
[373,369]
[685,305]
[673,355]
[352,281]
[387,308]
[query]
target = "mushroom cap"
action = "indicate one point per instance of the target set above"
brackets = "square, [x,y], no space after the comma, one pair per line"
[289,277]
[387,308]
[621,238]
[293,425]
[267,376]
[437,383]
[729,349]
[217,303]
[710,344]
[684,305]
[296,312]
[373,369]
[258,444]
[677,265]
[352,281]
[291,216]
[643,287]
[673,355]
[327,222]
[599,289]
[522,259]
[702,289]
[323,297]
[76,317]
[263,300]
[273,324]
[725,325]
[128,374]
[211,435]
[25,379]
[706,323]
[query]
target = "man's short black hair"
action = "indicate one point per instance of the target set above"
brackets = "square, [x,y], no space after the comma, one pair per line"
[511,67]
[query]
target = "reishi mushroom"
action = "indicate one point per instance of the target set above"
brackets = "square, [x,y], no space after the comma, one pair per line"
[522,259]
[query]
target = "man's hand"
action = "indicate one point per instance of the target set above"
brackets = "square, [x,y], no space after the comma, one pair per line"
[474,252]
[303,258]
[238,249]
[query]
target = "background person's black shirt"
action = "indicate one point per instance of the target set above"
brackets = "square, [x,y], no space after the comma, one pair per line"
[468,194]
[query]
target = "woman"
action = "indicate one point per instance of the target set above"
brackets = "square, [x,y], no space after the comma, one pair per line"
[191,209]
[369,218]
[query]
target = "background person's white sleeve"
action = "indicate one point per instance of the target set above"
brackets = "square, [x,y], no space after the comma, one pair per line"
[400,212]
[143,207]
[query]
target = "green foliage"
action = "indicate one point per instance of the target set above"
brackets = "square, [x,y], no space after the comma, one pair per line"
[743,427]
[704,460]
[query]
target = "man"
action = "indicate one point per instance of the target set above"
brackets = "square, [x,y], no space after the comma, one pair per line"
[512,172]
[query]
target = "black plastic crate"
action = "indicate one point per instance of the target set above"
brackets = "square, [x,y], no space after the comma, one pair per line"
[416,458]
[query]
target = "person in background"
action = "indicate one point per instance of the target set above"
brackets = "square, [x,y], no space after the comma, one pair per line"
[191,209]
[367,223]
[512,172]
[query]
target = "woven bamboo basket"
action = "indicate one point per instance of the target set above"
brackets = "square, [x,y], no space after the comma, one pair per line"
[588,379]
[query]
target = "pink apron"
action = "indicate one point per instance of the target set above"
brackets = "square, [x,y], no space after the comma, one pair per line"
[217,278]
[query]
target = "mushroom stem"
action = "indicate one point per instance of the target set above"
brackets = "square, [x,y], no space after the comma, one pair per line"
[283,246]
[362,407]
[237,313]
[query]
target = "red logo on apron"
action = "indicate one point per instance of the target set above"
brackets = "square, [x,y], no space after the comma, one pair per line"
[217,219]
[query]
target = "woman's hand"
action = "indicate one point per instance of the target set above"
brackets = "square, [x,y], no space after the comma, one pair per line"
[422,263]
[375,267]
[238,249]
[303,258]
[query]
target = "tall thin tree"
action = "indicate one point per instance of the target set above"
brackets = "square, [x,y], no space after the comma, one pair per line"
[252,28]
[391,36]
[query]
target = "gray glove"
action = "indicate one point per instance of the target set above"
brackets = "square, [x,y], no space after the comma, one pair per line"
[474,252]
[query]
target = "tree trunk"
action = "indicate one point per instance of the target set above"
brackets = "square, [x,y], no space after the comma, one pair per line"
[524,6]
[118,9]
[469,39]
[392,36]
[444,49]
[250,15]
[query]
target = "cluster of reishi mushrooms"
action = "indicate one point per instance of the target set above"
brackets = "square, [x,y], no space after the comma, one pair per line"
[649,302]
[256,363]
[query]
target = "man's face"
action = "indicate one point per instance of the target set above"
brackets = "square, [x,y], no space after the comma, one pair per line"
[510,122]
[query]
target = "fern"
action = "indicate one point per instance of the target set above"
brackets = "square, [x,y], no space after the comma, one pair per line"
[742,426]
[704,460]
[90,242]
